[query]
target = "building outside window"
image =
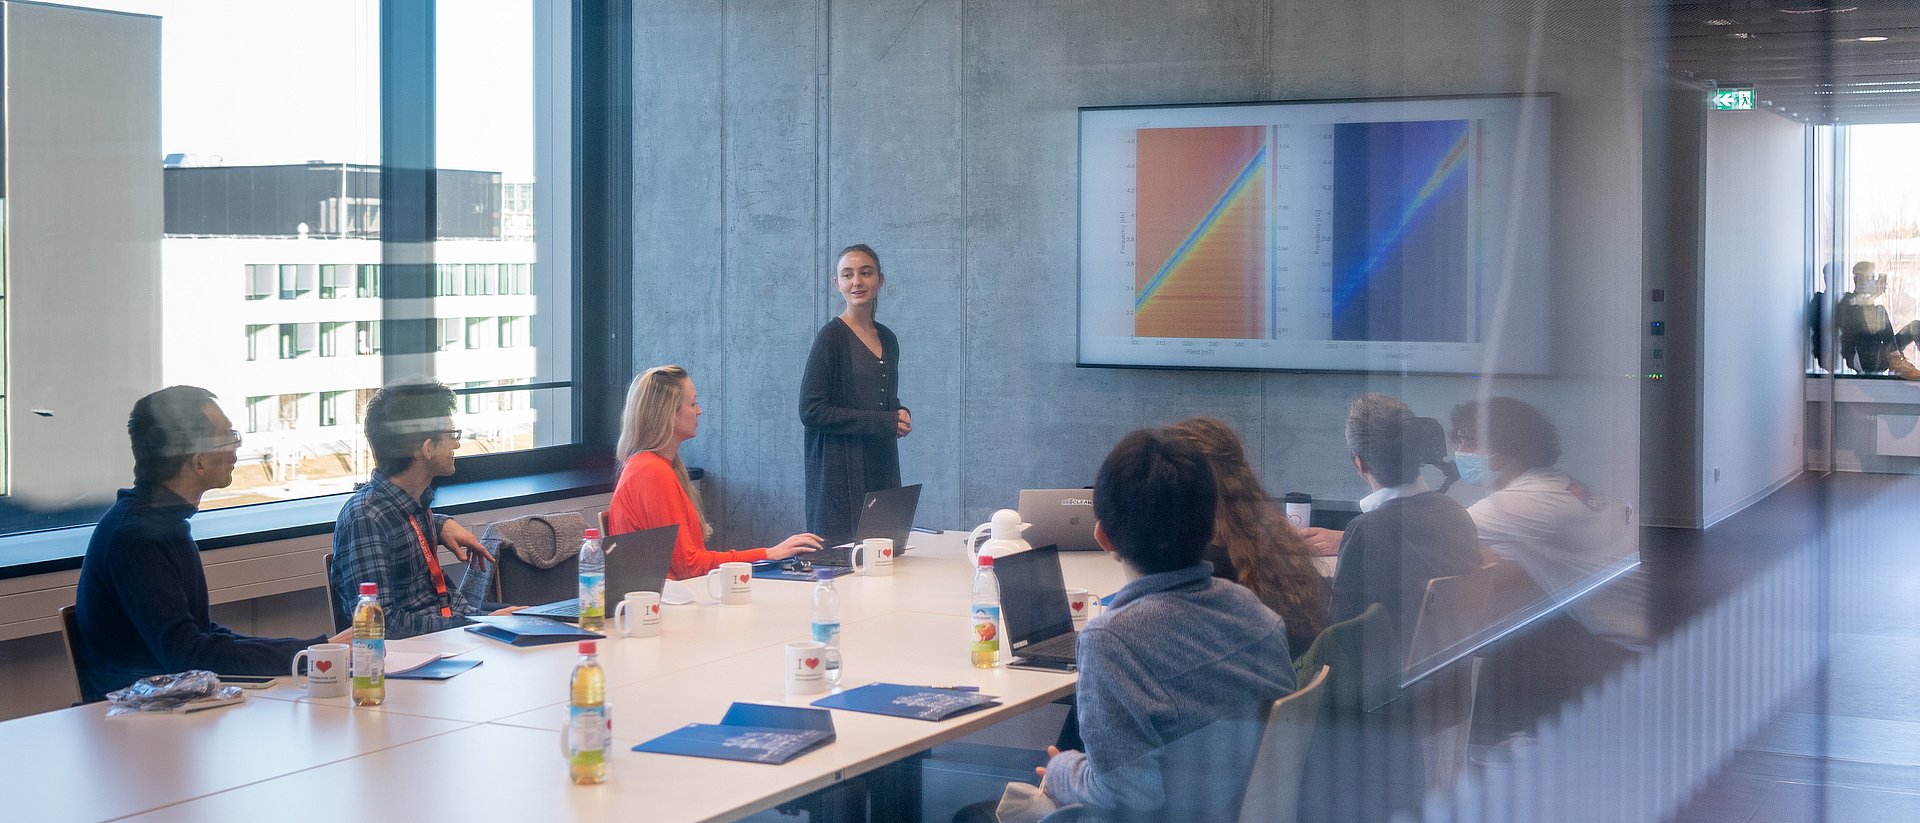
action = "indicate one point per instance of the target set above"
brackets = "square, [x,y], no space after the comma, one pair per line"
[260,280]
[257,335]
[298,339]
[261,412]
[367,280]
[273,234]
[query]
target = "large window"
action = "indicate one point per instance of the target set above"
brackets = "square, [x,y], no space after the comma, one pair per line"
[291,224]
[1867,237]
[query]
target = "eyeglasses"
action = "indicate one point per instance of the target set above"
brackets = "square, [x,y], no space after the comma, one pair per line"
[232,441]
[452,434]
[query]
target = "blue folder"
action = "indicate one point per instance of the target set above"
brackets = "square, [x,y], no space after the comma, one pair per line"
[441,669]
[753,732]
[771,570]
[914,702]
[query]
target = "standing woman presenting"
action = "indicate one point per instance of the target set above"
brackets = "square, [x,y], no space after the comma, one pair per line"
[850,402]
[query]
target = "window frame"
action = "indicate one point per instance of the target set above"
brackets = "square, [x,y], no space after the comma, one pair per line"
[600,65]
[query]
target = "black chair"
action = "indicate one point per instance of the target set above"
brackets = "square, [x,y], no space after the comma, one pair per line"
[341,620]
[70,632]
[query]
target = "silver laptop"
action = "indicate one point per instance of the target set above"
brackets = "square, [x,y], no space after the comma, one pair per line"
[1061,517]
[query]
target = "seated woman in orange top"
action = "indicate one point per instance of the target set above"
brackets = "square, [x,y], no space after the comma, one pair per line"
[662,412]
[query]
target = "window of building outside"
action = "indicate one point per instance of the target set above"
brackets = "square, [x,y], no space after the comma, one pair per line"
[273,235]
[1880,235]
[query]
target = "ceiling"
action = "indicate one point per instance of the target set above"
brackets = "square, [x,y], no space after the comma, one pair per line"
[1804,58]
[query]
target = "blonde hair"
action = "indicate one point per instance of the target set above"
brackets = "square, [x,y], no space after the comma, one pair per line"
[646,425]
[1269,557]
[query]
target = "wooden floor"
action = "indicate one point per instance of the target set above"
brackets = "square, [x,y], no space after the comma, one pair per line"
[1847,747]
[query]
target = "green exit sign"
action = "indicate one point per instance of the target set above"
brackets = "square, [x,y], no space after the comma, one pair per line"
[1733,99]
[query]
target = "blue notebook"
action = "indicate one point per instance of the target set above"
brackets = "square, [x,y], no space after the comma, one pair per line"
[915,702]
[753,732]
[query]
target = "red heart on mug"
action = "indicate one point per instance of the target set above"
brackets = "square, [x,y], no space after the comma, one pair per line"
[813,662]
[1079,605]
[886,552]
[323,665]
[743,578]
[654,608]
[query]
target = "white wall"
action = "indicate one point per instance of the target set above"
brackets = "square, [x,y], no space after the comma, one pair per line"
[1754,324]
[83,245]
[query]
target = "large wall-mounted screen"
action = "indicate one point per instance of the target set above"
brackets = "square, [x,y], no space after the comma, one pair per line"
[1374,235]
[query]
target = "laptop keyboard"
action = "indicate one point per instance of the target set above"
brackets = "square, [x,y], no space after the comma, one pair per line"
[559,610]
[1057,647]
[832,556]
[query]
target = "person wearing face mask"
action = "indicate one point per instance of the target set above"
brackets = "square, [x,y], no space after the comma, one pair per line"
[1539,518]
[850,402]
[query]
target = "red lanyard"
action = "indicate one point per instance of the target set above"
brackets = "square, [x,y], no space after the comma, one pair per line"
[433,567]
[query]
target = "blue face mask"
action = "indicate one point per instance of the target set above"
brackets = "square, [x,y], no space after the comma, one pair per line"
[1473,467]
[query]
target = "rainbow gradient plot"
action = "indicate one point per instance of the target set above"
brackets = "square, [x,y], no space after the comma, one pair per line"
[1202,207]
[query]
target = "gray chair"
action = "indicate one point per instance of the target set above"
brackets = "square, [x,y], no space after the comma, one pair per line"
[70,632]
[1363,652]
[341,620]
[1453,610]
[1273,787]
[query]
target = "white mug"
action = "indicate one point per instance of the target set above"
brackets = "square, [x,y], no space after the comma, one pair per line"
[732,583]
[806,667]
[1081,604]
[1299,509]
[645,608]
[874,556]
[326,669]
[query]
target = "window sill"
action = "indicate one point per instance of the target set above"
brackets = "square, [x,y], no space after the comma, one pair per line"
[55,550]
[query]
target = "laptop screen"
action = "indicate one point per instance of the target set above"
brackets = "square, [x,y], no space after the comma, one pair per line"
[1033,595]
[889,513]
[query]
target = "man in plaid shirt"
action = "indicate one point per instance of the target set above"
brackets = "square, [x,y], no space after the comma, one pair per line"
[387,533]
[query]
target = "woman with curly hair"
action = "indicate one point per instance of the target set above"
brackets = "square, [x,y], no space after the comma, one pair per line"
[1253,544]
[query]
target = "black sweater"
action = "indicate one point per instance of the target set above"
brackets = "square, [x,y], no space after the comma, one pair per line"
[1387,556]
[142,606]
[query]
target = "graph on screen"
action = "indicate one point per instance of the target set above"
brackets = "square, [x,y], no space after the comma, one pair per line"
[1360,235]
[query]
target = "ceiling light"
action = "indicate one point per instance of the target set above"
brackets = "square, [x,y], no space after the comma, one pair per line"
[1741,35]
[1815,8]
[1873,38]
[1716,22]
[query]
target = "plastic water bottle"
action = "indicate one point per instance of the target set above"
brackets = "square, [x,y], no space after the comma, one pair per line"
[589,726]
[369,648]
[593,583]
[826,621]
[986,615]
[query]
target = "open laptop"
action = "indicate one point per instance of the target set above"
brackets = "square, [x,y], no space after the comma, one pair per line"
[1062,517]
[885,513]
[636,562]
[1033,602]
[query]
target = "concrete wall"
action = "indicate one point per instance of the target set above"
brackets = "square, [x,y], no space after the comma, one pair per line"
[944,133]
[1755,309]
[82,245]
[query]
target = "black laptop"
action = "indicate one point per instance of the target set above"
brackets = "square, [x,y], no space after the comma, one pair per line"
[1033,602]
[886,513]
[636,562]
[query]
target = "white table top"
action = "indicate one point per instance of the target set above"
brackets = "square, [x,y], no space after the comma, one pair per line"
[488,742]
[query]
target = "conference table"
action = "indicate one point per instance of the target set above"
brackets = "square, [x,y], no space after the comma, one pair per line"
[486,745]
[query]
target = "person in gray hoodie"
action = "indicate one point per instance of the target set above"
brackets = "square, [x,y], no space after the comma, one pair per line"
[1177,674]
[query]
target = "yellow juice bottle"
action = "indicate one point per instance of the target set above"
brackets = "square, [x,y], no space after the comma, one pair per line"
[589,726]
[369,649]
